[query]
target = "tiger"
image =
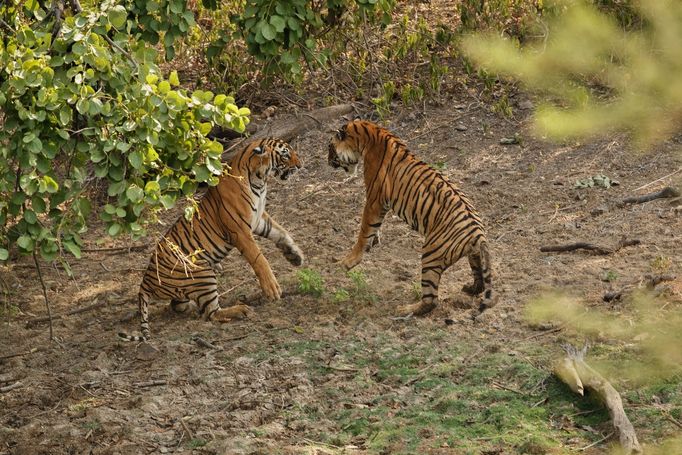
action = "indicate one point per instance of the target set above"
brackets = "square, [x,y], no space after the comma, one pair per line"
[395,179]
[182,267]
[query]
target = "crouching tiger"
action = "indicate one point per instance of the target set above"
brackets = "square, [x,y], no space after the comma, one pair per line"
[181,268]
[396,180]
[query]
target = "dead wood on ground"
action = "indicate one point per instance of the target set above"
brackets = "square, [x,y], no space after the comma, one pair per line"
[578,375]
[285,129]
[588,246]
[667,192]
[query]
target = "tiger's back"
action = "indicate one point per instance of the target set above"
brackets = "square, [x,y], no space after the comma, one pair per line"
[427,201]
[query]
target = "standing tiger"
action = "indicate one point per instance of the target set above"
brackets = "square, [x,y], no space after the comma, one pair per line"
[396,180]
[182,266]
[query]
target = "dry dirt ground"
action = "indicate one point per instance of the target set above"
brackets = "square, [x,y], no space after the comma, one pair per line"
[335,373]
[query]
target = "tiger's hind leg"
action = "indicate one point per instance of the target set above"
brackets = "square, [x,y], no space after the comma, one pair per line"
[477,271]
[431,274]
[206,297]
[489,297]
[180,306]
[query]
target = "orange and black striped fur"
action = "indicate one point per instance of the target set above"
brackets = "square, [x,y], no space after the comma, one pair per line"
[181,268]
[396,180]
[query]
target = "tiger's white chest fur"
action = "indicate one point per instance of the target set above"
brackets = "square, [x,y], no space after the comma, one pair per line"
[258,203]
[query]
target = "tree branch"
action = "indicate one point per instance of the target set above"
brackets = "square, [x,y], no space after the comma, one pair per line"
[42,283]
[578,375]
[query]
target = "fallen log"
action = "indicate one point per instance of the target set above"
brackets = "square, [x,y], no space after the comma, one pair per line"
[578,375]
[94,306]
[290,127]
[647,282]
[588,246]
[667,192]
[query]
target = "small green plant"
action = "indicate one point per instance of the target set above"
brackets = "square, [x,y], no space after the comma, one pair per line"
[310,282]
[411,95]
[503,107]
[92,426]
[196,443]
[440,165]
[341,295]
[609,276]
[360,289]
[382,103]
[661,264]
[417,290]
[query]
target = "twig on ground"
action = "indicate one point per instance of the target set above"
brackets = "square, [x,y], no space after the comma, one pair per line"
[232,288]
[186,427]
[94,306]
[648,281]
[42,283]
[658,180]
[205,344]
[588,246]
[20,354]
[667,192]
[499,385]
[402,318]
[115,249]
[154,383]
[7,388]
[578,375]
[544,332]
[582,449]
[342,369]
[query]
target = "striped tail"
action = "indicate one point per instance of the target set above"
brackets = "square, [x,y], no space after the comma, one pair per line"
[143,304]
[489,298]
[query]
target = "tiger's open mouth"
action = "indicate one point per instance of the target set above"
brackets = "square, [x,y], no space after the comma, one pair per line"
[285,173]
[336,163]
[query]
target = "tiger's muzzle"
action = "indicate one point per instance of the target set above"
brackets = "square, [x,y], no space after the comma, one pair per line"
[286,172]
[333,158]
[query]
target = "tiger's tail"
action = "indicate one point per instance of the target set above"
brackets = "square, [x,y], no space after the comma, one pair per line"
[143,304]
[489,298]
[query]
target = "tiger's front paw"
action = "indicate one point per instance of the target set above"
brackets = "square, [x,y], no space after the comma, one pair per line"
[271,290]
[232,313]
[350,261]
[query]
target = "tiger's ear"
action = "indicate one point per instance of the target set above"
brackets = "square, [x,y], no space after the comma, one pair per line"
[357,117]
[341,133]
[258,150]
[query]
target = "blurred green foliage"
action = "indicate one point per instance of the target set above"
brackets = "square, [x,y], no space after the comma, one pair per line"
[83,105]
[602,76]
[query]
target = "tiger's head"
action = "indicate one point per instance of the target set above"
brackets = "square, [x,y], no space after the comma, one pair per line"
[271,156]
[345,147]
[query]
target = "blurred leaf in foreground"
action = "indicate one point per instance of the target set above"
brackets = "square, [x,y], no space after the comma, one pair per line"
[637,72]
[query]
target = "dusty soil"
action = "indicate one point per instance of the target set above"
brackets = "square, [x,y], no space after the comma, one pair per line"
[293,378]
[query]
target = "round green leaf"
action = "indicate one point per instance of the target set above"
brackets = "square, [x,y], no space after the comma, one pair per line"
[30,217]
[74,249]
[173,79]
[4,254]
[135,193]
[25,243]
[114,229]
[268,32]
[136,159]
[117,16]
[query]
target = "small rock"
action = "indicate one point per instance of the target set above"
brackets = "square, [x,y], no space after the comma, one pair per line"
[526,104]
[599,210]
[510,140]
[146,352]
[461,127]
